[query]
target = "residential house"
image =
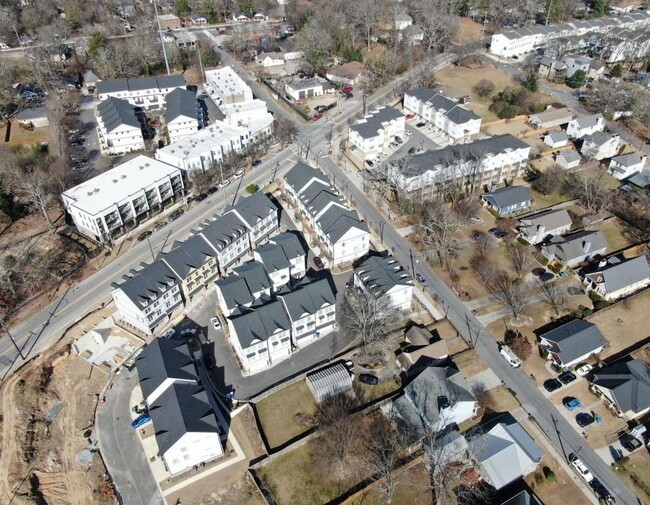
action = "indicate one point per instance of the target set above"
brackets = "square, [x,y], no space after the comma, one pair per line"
[101,207]
[270,59]
[550,68]
[181,114]
[421,349]
[307,88]
[572,342]
[118,128]
[585,125]
[624,387]
[261,336]
[524,497]
[197,20]
[640,179]
[436,398]
[259,16]
[600,145]
[240,17]
[35,117]
[568,159]
[482,162]
[571,250]
[348,74]
[259,214]
[402,21]
[618,278]
[147,93]
[626,165]
[90,80]
[329,381]
[383,278]
[454,120]
[539,227]
[283,257]
[414,34]
[551,118]
[556,139]
[169,22]
[374,132]
[185,39]
[194,262]
[508,200]
[148,298]
[338,230]
[311,308]
[593,69]
[507,453]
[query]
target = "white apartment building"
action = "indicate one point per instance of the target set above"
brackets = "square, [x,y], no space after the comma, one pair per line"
[383,277]
[148,93]
[454,120]
[181,117]
[118,128]
[225,86]
[128,193]
[251,114]
[259,215]
[374,132]
[484,161]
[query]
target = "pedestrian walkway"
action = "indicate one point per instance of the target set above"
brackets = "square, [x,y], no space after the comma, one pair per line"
[428,305]
[484,381]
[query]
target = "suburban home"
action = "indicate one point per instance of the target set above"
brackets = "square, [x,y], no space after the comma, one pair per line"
[330,381]
[118,128]
[307,88]
[571,250]
[539,227]
[556,139]
[311,308]
[624,387]
[436,398]
[568,159]
[260,336]
[348,74]
[197,20]
[336,229]
[507,453]
[148,298]
[459,124]
[240,17]
[169,22]
[421,349]
[90,80]
[572,342]
[384,278]
[402,21]
[185,39]
[194,262]
[550,68]
[600,145]
[283,257]
[414,34]
[551,118]
[147,93]
[508,200]
[585,125]
[35,117]
[625,165]
[372,134]
[270,59]
[618,278]
[593,69]
[181,114]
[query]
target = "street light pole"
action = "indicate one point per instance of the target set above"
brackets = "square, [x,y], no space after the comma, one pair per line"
[20,352]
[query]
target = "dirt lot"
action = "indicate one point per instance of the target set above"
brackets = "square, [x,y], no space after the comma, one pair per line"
[20,136]
[470,363]
[638,466]
[45,456]
[468,31]
[563,490]
[242,492]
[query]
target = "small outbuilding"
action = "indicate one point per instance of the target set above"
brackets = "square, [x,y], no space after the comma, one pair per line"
[329,381]
[556,139]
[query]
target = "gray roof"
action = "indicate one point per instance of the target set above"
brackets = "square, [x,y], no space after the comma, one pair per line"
[380,274]
[254,208]
[116,112]
[181,409]
[629,382]
[329,381]
[569,156]
[588,121]
[403,16]
[640,179]
[629,159]
[570,247]
[558,136]
[255,275]
[304,84]
[260,323]
[301,173]
[141,83]
[622,274]
[336,222]
[574,339]
[598,138]
[91,77]
[461,115]
[290,243]
[453,110]
[549,219]
[188,256]
[223,231]
[150,282]
[164,359]
[523,498]
[180,103]
[32,113]
[503,198]
[282,248]
[308,299]
[235,292]
[552,115]
[371,125]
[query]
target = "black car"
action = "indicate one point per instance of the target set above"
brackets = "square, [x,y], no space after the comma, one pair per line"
[201,197]
[583,419]
[552,385]
[209,361]
[629,442]
[366,378]
[370,163]
[421,279]
[601,492]
[538,271]
[421,124]
[176,214]
[411,150]
[213,190]
[546,276]
[566,377]
[144,235]
[160,226]
[256,163]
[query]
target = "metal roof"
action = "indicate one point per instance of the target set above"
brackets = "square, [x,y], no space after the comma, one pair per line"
[330,381]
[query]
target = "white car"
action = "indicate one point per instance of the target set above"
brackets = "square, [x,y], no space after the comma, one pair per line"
[581,468]
[239,174]
[168,333]
[584,370]
[407,132]
[215,323]
[223,184]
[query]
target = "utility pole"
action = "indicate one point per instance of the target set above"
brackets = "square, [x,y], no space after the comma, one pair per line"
[198,50]
[162,42]
[20,352]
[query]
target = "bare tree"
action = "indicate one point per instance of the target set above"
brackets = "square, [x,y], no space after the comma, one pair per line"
[438,20]
[590,188]
[364,14]
[367,317]
[548,181]
[315,42]
[285,131]
[553,294]
[509,294]
[386,446]
[439,230]
[484,244]
[520,258]
[484,267]
[201,181]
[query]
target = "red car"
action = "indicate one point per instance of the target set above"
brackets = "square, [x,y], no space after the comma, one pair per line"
[319,263]
[348,89]
[410,116]
[317,116]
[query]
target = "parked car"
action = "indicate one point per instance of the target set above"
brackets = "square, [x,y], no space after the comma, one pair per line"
[256,163]
[629,442]
[318,263]
[398,139]
[239,174]
[160,226]
[421,124]
[348,89]
[216,324]
[583,419]
[410,116]
[169,333]
[223,184]
[584,370]
[366,378]
[370,163]
[140,421]
[581,468]
[601,492]
[572,403]
[407,132]
[421,279]
[201,197]
[552,385]
[176,214]
[497,232]
[566,377]
[144,235]
[546,276]
[412,150]
[317,116]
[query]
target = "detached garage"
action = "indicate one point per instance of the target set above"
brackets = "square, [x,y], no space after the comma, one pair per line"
[330,381]
[34,116]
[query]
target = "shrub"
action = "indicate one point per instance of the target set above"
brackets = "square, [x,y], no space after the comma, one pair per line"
[484,88]
[549,474]
[577,80]
[252,188]
[601,304]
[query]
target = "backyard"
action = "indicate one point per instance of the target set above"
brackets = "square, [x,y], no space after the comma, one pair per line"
[561,489]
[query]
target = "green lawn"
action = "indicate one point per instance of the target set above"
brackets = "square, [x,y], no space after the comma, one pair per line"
[277,413]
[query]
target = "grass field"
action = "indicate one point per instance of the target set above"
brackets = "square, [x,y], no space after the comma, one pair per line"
[369,393]
[616,234]
[20,136]
[412,487]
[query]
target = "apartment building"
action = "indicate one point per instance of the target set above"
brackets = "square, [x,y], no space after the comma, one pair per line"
[118,128]
[103,206]
[374,132]
[181,115]
[226,86]
[383,277]
[283,257]
[147,93]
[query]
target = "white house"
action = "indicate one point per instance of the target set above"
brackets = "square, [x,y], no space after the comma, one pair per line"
[382,277]
[508,200]
[600,145]
[571,250]
[270,59]
[259,215]
[626,165]
[402,21]
[375,131]
[454,120]
[128,193]
[572,342]
[244,286]
[181,116]
[119,130]
[556,139]
[551,117]
[283,257]
[307,88]
[618,278]
[538,227]
[585,125]
[147,93]
[577,62]
[568,159]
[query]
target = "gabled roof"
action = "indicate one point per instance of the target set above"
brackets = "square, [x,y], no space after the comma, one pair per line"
[599,138]
[523,498]
[569,156]
[149,283]
[290,243]
[253,209]
[255,275]
[380,274]
[224,230]
[308,299]
[503,198]
[629,383]
[576,245]
[301,173]
[574,339]
[304,84]
[369,126]
[403,16]
[640,179]
[629,159]
[558,136]
[337,221]
[141,83]
[235,291]
[180,103]
[549,219]
[116,112]
[260,323]
[279,251]
[588,121]
[164,359]
[188,256]
[622,274]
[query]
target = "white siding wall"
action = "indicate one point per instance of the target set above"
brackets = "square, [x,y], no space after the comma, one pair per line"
[192,449]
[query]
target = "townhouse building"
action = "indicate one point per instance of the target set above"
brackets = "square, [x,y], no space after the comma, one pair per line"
[383,277]
[119,130]
[181,114]
[374,132]
[259,214]
[247,284]
[147,93]
[283,257]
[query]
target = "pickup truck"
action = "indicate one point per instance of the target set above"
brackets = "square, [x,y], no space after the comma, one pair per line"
[510,356]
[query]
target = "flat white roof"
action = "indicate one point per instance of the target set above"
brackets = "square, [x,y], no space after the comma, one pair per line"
[204,140]
[226,81]
[243,107]
[118,184]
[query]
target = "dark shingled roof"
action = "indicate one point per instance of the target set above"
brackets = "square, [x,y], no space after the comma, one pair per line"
[380,274]
[141,83]
[180,103]
[255,275]
[373,123]
[308,299]
[574,339]
[235,291]
[253,209]
[336,222]
[629,383]
[223,231]
[189,255]
[503,198]
[116,112]
[260,323]
[153,280]
[301,173]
